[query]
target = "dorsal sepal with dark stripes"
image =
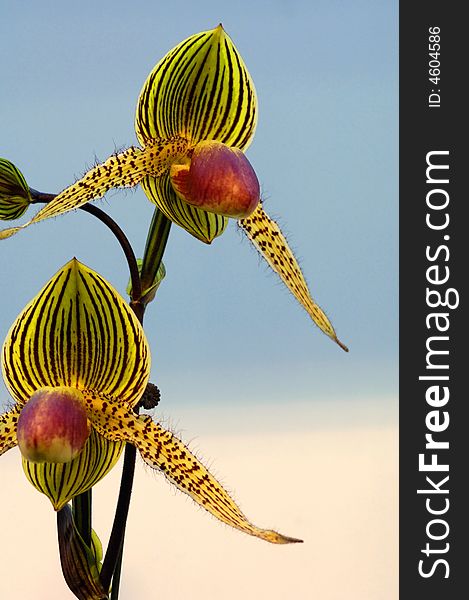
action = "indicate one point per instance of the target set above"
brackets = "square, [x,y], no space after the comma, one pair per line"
[201,90]
[77,332]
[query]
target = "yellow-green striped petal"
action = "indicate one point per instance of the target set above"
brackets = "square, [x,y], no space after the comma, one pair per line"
[201,90]
[165,452]
[77,332]
[8,426]
[14,191]
[80,562]
[267,237]
[201,224]
[61,482]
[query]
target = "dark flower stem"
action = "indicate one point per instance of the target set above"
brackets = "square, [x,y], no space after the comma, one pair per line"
[154,249]
[113,559]
[82,515]
[156,242]
[42,198]
[117,577]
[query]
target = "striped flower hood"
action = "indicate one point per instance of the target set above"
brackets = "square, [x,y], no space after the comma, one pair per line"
[78,339]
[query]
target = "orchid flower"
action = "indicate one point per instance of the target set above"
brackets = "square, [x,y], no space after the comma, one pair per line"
[76,363]
[195,117]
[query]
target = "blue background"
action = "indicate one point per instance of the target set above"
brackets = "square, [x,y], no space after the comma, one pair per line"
[223,331]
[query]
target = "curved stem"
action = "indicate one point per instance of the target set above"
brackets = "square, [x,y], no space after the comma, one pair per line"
[42,198]
[113,559]
[124,243]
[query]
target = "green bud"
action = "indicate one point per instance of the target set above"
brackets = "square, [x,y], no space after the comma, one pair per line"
[14,191]
[148,294]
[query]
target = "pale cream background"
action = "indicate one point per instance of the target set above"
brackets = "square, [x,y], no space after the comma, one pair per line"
[336,487]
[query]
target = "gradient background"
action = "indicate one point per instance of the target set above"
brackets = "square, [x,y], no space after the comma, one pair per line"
[304,434]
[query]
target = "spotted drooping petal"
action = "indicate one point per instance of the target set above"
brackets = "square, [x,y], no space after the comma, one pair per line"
[165,452]
[267,237]
[77,333]
[125,169]
[8,424]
